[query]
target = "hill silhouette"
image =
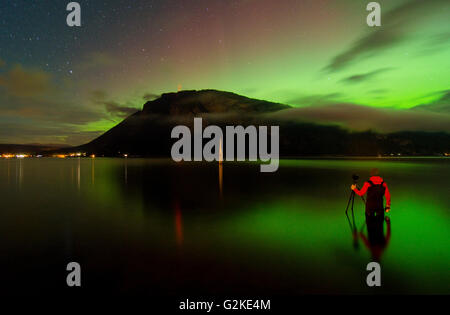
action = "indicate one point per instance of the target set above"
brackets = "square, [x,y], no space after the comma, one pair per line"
[148,132]
[208,101]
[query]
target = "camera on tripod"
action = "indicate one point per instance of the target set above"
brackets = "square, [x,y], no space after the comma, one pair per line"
[351,200]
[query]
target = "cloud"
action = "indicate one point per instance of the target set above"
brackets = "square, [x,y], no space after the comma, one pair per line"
[30,93]
[27,132]
[445,98]
[361,118]
[2,63]
[441,105]
[358,78]
[118,110]
[22,82]
[35,107]
[396,24]
[433,44]
[97,95]
[115,109]
[150,96]
[47,111]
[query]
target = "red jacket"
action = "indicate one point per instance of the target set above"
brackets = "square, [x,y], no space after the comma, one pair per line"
[376,180]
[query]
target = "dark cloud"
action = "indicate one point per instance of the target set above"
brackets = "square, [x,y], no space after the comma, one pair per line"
[47,111]
[32,93]
[396,24]
[22,82]
[118,110]
[358,78]
[445,96]
[150,96]
[27,132]
[34,107]
[360,117]
[97,96]
[441,105]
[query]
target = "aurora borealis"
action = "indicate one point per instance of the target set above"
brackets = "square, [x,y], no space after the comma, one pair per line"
[68,85]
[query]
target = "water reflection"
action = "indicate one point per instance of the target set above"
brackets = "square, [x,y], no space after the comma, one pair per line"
[281,232]
[79,174]
[126,170]
[9,172]
[93,170]
[375,241]
[19,174]
[178,224]
[353,229]
[221,180]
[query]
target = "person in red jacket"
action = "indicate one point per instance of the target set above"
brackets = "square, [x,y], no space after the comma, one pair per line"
[376,189]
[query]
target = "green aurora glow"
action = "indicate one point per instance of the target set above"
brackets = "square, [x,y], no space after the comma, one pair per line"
[295,52]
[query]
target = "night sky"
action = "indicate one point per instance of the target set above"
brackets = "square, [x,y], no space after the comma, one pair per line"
[68,85]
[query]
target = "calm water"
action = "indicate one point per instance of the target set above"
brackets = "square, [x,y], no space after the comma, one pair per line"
[156,227]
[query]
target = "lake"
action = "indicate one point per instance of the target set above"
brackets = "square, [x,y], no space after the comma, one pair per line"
[152,226]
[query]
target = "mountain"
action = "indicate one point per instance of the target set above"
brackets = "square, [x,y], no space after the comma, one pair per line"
[208,101]
[148,132]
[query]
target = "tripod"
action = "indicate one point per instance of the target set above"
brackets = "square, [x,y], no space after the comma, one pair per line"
[351,199]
